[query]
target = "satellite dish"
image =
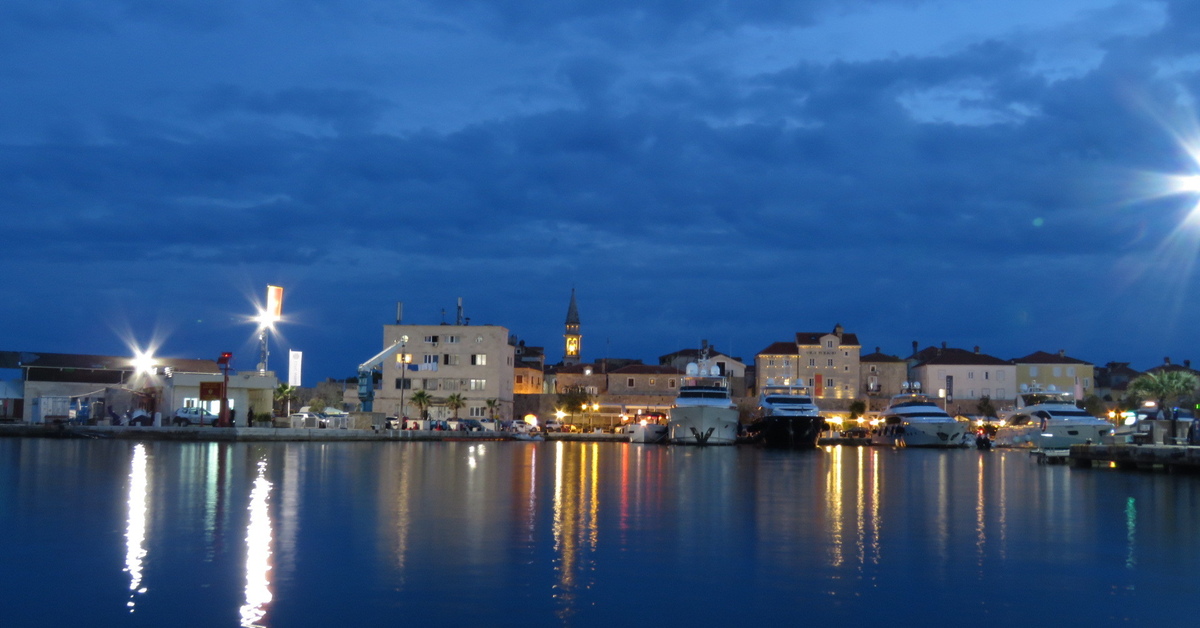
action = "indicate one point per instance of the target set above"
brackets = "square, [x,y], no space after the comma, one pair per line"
[917,385]
[770,381]
[692,369]
[1053,388]
[1024,387]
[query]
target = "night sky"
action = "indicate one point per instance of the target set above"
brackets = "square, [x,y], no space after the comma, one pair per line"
[979,172]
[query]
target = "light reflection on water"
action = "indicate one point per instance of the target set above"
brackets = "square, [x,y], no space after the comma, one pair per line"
[258,552]
[562,533]
[135,529]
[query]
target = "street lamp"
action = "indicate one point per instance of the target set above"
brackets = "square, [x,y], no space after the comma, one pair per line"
[403,372]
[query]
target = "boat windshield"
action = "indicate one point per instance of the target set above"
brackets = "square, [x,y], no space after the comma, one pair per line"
[938,415]
[1041,397]
[703,394]
[782,399]
[909,404]
[1074,414]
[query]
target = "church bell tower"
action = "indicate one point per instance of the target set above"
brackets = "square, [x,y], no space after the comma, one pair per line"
[572,338]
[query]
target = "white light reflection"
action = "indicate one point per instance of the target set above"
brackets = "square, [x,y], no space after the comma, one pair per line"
[258,552]
[135,530]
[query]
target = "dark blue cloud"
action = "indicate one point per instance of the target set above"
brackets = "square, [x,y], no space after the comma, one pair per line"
[691,176]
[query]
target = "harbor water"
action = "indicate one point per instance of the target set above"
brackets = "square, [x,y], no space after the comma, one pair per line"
[125,533]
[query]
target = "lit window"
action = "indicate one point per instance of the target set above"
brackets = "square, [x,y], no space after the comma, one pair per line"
[479,359]
[478,384]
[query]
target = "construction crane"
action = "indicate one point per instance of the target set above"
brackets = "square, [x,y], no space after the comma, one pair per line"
[366,374]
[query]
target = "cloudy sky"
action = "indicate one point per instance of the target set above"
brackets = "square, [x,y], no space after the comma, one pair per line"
[979,172]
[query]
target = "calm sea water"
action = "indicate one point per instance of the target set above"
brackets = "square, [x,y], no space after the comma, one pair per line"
[114,533]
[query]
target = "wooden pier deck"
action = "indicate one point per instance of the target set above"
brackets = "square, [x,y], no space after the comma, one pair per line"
[1166,457]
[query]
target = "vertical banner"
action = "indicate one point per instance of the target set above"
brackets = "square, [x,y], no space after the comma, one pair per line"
[294,360]
[820,387]
[274,309]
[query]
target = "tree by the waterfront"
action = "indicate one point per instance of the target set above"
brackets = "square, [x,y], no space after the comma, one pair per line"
[985,407]
[421,401]
[455,402]
[1167,388]
[284,395]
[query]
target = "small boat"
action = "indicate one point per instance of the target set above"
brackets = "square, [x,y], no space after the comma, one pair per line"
[914,420]
[647,428]
[1048,419]
[787,417]
[704,412]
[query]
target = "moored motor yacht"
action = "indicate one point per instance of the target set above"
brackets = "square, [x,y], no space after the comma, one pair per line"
[704,412]
[1048,419]
[787,417]
[914,420]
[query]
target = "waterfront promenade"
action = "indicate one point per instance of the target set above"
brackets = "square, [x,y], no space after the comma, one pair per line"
[275,434]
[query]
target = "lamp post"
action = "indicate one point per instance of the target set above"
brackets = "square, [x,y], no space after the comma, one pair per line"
[403,372]
[223,361]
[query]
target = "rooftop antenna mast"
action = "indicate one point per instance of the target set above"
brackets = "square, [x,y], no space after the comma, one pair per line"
[459,319]
[399,312]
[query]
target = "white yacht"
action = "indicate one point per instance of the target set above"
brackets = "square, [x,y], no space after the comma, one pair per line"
[1048,419]
[647,428]
[704,412]
[914,420]
[788,417]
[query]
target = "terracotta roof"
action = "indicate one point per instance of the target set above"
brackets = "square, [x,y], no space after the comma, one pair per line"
[780,348]
[951,356]
[1042,357]
[806,338]
[575,369]
[879,357]
[646,369]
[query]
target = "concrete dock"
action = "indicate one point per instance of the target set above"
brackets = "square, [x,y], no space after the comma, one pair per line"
[1147,457]
[273,434]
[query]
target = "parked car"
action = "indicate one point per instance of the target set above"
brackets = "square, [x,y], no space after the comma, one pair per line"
[193,416]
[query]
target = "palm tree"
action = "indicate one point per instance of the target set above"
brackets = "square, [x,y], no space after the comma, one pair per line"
[455,403]
[285,394]
[421,401]
[493,405]
[1166,387]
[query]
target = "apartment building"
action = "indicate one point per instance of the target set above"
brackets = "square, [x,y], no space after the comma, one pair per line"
[964,377]
[474,361]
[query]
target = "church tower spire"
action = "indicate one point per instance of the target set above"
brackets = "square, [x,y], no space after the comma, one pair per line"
[572,337]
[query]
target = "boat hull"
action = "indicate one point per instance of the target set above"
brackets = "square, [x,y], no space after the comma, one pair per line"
[1053,437]
[791,432]
[939,434]
[653,433]
[703,425]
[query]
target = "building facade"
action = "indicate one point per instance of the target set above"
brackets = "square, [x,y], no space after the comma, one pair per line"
[475,362]
[962,377]
[1055,371]
[827,363]
[882,377]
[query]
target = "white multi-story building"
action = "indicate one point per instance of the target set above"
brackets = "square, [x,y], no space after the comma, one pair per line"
[473,361]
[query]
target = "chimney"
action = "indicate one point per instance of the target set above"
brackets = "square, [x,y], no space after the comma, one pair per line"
[976,349]
[837,330]
[876,349]
[1167,360]
[1062,353]
[915,345]
[1187,364]
[943,344]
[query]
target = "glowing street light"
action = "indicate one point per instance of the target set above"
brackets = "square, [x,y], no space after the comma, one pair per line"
[143,362]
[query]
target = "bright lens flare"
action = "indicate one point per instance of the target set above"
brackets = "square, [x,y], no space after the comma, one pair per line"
[143,362]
